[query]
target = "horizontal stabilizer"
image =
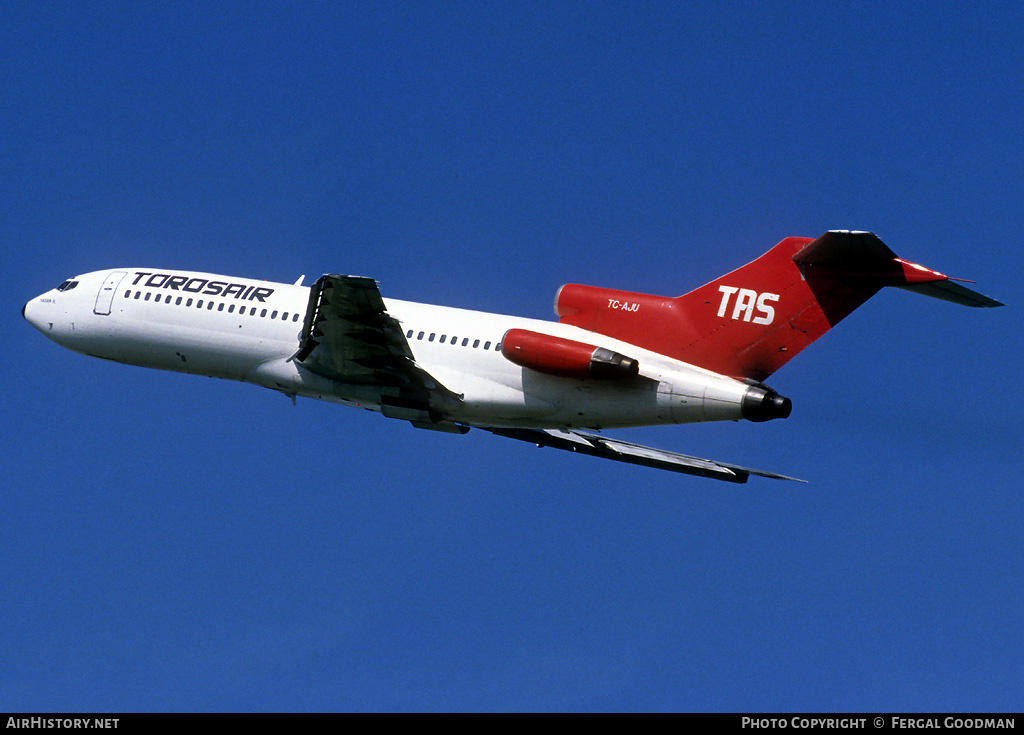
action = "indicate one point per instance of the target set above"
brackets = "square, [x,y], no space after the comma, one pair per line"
[860,257]
[951,291]
[847,250]
[621,451]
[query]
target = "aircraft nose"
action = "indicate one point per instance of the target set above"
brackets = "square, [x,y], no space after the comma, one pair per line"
[31,313]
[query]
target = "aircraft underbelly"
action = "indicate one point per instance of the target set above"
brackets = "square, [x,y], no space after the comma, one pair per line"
[485,401]
[213,353]
[540,401]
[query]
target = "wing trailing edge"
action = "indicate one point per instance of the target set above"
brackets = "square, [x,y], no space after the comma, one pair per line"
[622,451]
[349,337]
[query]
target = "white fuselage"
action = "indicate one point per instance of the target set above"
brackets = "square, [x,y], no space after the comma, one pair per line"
[248,330]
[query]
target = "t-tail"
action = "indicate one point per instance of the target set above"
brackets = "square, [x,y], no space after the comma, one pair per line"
[752,321]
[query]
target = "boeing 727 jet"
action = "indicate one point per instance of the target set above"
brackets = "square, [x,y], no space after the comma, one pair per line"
[613,359]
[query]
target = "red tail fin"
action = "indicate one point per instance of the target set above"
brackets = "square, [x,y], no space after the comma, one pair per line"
[752,321]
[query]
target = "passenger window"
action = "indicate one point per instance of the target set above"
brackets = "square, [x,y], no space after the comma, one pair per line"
[220,307]
[408,335]
[295,318]
[273,315]
[209,305]
[476,343]
[487,345]
[127,293]
[188,303]
[138,294]
[419,336]
[177,301]
[465,341]
[231,309]
[284,316]
[263,313]
[148,295]
[431,337]
[199,304]
[443,338]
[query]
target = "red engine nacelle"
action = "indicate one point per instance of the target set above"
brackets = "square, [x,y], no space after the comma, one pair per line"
[565,357]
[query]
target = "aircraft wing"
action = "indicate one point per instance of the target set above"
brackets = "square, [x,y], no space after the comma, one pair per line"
[622,451]
[348,336]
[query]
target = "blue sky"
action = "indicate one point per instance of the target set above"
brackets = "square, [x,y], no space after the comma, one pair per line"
[180,543]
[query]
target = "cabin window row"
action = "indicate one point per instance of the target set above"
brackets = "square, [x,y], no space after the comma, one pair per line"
[178,301]
[453,340]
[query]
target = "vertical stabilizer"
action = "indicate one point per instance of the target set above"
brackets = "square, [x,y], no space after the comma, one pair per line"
[753,320]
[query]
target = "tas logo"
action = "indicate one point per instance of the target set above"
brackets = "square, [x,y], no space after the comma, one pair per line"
[745,303]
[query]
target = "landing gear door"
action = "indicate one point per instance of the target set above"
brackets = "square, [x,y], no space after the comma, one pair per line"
[106,295]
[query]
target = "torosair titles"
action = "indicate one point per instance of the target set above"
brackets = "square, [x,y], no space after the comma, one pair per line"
[203,286]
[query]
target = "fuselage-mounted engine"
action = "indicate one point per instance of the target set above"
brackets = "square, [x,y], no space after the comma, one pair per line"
[566,358]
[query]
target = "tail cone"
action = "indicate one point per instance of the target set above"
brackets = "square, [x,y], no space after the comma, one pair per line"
[761,403]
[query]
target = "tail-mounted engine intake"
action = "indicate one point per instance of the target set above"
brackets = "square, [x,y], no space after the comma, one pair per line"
[761,403]
[565,357]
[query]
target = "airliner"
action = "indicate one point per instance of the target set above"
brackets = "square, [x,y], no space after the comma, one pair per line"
[613,359]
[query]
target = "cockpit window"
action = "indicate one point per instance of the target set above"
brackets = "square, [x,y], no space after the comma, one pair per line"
[67,285]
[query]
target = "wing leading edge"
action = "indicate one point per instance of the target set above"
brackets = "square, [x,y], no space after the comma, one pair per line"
[622,451]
